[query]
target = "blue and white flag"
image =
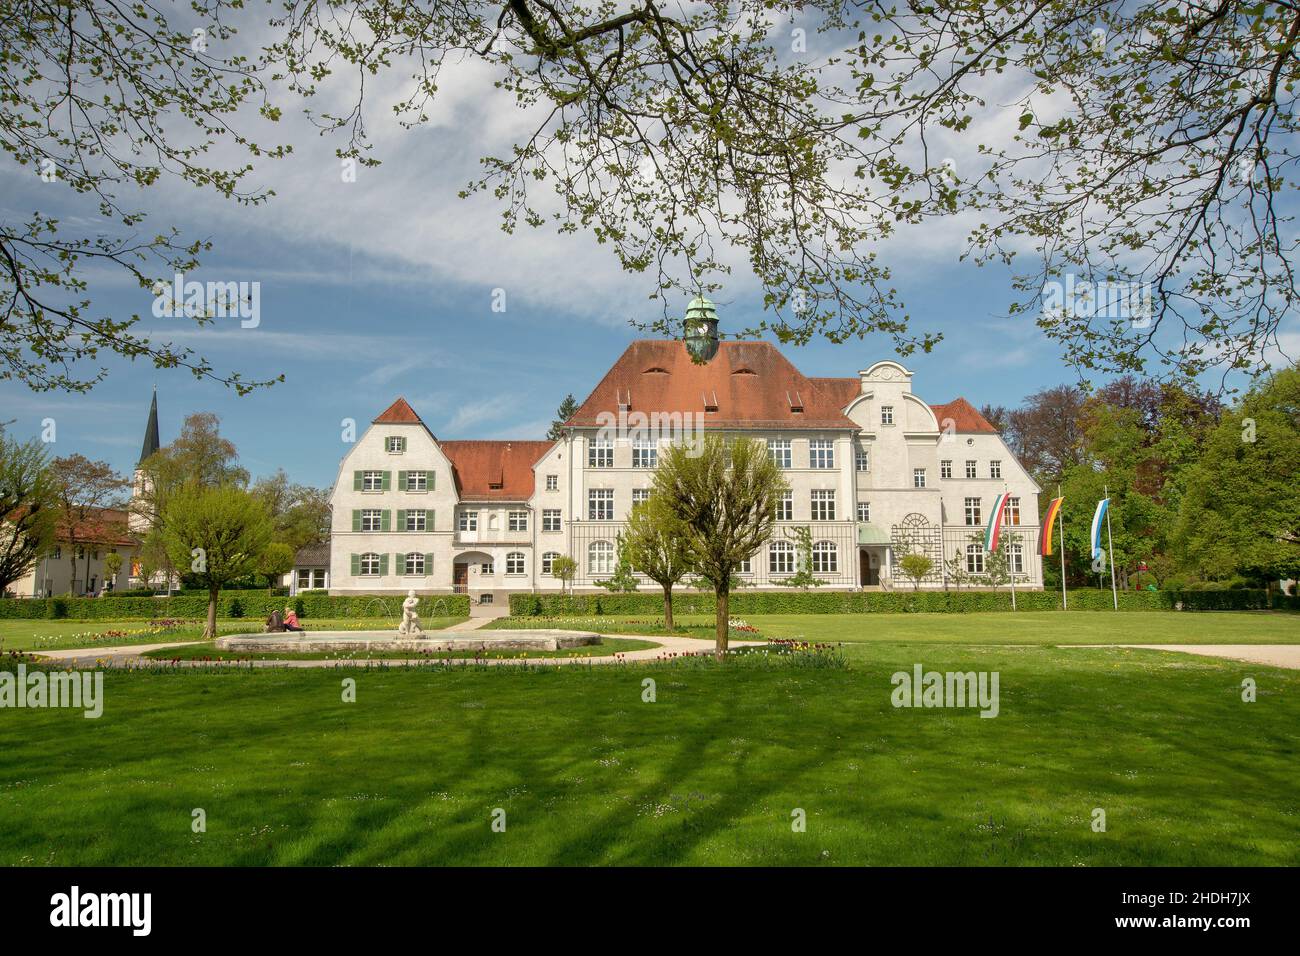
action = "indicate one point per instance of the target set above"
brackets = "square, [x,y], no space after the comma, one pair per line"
[1097,520]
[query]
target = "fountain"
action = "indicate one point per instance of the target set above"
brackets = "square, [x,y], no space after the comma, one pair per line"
[410,636]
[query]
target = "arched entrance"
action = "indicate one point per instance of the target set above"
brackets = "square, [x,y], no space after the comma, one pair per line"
[466,569]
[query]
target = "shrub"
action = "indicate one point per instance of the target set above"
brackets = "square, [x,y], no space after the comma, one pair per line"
[896,602]
[194,606]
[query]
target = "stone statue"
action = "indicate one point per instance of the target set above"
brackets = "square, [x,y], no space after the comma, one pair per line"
[410,626]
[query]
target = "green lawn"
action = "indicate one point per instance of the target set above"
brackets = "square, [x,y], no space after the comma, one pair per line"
[710,773]
[1024,627]
[48,635]
[209,651]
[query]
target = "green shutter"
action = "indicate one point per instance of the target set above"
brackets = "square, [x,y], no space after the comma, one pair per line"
[401,481]
[401,520]
[428,564]
[399,563]
[387,475]
[356,521]
[383,520]
[428,520]
[403,441]
[356,481]
[433,476]
[356,565]
[383,564]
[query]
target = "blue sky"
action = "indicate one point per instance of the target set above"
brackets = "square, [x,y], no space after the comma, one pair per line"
[384,287]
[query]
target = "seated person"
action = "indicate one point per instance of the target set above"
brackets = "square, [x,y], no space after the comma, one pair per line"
[291,620]
[274,623]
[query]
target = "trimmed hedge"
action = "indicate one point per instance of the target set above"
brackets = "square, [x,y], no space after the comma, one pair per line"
[891,602]
[231,604]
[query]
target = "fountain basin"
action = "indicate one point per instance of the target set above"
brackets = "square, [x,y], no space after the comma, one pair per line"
[434,641]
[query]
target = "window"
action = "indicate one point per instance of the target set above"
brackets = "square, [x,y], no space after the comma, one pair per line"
[864,510]
[886,414]
[548,561]
[821,453]
[640,496]
[918,477]
[780,557]
[645,453]
[1011,511]
[1016,558]
[413,563]
[785,506]
[372,519]
[56,553]
[746,566]
[823,505]
[515,562]
[825,558]
[970,468]
[396,445]
[863,459]
[416,521]
[600,504]
[551,519]
[552,482]
[995,469]
[600,453]
[304,579]
[945,468]
[973,511]
[779,449]
[600,558]
[468,521]
[974,558]
[370,563]
[518,521]
[372,481]
[488,568]
[417,481]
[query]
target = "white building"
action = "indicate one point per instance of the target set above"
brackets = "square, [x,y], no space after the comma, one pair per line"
[874,471]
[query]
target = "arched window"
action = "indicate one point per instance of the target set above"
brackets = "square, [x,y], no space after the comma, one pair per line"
[1016,558]
[600,558]
[370,563]
[515,562]
[413,564]
[548,561]
[825,558]
[975,558]
[780,557]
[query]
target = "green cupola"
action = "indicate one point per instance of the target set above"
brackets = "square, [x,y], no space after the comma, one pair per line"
[701,324]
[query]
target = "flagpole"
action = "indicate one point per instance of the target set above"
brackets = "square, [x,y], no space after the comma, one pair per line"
[1011,568]
[1110,543]
[1060,524]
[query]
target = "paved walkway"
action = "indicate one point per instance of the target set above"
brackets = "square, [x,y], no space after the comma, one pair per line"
[1274,655]
[129,655]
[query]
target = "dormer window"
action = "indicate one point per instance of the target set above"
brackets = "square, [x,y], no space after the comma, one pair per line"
[624,400]
[744,371]
[710,401]
[796,402]
[655,370]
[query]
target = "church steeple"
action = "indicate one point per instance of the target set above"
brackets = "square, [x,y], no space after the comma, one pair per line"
[151,443]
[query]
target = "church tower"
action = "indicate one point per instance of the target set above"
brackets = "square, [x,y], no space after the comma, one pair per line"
[136,522]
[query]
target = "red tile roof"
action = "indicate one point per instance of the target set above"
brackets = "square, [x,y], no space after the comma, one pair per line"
[102,526]
[754,384]
[965,416]
[494,470]
[398,413]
